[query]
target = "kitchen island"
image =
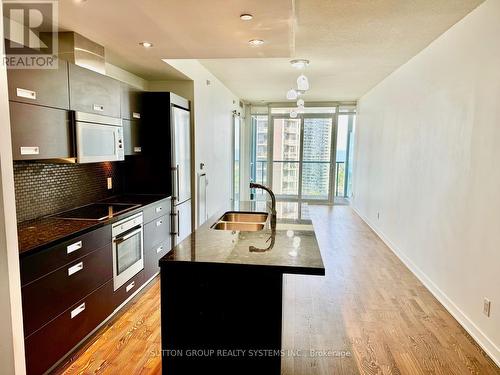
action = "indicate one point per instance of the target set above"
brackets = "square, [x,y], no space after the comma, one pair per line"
[221,294]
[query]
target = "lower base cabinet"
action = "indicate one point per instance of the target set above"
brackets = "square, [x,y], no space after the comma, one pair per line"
[82,287]
[51,342]
[129,288]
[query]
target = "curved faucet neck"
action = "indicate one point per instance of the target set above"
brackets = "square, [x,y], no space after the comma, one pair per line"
[273,201]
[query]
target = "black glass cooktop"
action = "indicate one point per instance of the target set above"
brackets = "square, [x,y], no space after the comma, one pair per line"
[96,211]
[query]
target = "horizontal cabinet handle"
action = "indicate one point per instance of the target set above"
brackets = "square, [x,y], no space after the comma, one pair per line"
[159,250]
[74,247]
[74,269]
[23,93]
[137,149]
[29,150]
[158,209]
[130,286]
[78,310]
[98,107]
[136,115]
[159,222]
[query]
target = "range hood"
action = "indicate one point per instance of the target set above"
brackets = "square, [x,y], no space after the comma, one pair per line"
[81,51]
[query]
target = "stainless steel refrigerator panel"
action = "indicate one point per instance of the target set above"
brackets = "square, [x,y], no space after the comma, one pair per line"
[182,221]
[181,159]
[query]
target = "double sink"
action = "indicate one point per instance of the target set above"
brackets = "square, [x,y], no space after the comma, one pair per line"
[241,221]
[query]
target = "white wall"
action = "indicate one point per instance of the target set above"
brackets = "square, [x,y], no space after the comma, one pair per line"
[11,324]
[428,160]
[213,106]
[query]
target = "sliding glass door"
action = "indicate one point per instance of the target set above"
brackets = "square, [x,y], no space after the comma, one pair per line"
[302,156]
[307,159]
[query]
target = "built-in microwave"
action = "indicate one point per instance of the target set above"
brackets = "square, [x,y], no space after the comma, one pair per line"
[98,138]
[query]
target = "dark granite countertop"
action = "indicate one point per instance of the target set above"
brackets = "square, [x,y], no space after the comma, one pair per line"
[291,248]
[34,235]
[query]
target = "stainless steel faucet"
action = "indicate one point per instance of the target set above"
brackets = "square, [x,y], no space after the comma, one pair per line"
[273,201]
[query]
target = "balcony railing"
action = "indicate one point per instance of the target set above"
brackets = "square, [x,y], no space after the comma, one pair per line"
[340,178]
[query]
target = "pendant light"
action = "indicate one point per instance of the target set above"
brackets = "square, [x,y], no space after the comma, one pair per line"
[292,94]
[302,83]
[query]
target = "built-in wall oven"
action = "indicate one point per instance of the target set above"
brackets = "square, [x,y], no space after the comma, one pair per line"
[128,249]
[98,138]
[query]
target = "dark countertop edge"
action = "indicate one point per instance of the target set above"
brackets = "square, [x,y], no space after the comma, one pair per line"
[96,225]
[315,271]
[291,270]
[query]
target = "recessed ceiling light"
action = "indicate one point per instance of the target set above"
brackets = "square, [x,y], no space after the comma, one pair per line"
[246,17]
[256,42]
[299,63]
[146,44]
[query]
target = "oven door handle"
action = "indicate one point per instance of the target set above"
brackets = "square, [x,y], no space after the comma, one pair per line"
[119,240]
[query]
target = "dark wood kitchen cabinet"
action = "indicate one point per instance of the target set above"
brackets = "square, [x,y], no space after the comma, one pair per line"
[157,239]
[46,297]
[131,105]
[124,292]
[157,209]
[51,342]
[92,92]
[40,132]
[47,87]
[67,291]
[34,266]
[132,137]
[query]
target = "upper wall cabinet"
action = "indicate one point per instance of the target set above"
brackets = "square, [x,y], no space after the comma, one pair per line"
[47,87]
[131,108]
[40,132]
[92,92]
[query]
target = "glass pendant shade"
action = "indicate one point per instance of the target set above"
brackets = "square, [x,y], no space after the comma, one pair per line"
[291,94]
[302,83]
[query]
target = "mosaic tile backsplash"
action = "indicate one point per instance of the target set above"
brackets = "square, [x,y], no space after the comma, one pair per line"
[43,189]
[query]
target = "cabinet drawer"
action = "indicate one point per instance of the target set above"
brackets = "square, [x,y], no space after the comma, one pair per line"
[47,87]
[152,256]
[40,263]
[156,231]
[49,296]
[54,340]
[92,92]
[127,289]
[156,210]
[40,132]
[132,137]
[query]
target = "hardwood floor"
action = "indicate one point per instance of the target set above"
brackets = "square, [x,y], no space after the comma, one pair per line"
[368,315]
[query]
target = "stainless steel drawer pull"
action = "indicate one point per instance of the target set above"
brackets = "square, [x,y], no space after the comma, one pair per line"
[159,250]
[98,107]
[136,115]
[130,286]
[159,222]
[29,150]
[137,149]
[74,247]
[28,94]
[78,310]
[74,269]
[158,209]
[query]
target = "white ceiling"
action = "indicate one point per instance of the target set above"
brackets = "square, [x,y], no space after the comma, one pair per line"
[352,44]
[178,29]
